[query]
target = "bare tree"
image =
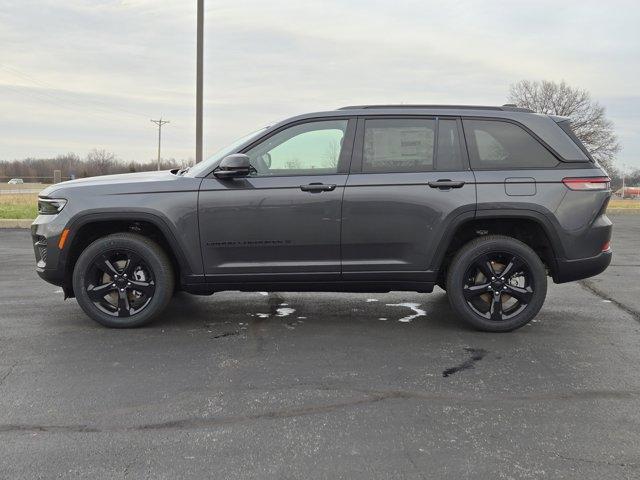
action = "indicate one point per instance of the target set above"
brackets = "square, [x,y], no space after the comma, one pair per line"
[101,160]
[587,116]
[332,153]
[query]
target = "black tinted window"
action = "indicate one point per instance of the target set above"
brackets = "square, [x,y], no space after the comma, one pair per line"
[449,155]
[398,145]
[495,144]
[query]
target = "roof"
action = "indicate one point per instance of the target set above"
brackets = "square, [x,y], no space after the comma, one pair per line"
[503,108]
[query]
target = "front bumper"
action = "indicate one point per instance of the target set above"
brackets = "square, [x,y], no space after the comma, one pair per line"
[570,270]
[45,233]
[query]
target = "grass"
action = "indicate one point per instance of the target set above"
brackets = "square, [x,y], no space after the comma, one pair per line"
[19,205]
[23,186]
[625,204]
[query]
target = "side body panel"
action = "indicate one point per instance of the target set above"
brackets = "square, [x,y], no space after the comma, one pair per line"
[268,227]
[393,223]
[570,218]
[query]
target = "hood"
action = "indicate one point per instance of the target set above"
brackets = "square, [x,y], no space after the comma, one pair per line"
[109,180]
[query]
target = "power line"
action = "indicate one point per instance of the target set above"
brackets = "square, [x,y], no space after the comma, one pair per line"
[68,97]
[159,122]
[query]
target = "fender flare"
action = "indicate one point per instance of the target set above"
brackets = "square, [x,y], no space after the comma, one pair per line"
[145,215]
[540,218]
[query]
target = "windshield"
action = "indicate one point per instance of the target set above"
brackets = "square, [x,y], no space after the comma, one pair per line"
[209,163]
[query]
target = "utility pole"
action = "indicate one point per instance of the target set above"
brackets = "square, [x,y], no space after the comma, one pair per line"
[159,123]
[199,55]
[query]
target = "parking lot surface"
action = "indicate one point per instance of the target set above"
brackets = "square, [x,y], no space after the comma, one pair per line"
[291,385]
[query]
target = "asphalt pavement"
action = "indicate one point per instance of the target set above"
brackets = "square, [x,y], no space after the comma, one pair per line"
[301,385]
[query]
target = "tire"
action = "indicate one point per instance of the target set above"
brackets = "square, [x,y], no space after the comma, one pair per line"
[518,275]
[107,273]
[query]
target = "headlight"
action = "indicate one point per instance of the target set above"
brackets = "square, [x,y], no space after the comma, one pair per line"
[50,206]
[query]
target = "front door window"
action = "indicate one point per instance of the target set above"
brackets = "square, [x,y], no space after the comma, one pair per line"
[307,149]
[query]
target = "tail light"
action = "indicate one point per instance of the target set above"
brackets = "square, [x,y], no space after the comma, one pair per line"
[606,246]
[587,183]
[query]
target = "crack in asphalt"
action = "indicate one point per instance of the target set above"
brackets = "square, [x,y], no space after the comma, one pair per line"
[590,287]
[593,461]
[371,397]
[9,371]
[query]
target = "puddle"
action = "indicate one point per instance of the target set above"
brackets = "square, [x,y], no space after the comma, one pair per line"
[418,312]
[477,354]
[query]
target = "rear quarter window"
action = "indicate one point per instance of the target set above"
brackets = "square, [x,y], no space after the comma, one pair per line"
[495,144]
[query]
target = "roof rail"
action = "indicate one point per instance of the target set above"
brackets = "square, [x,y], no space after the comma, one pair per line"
[507,107]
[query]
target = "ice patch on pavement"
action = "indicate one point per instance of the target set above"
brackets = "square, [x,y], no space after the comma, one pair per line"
[263,293]
[369,300]
[284,312]
[413,306]
[383,318]
[263,315]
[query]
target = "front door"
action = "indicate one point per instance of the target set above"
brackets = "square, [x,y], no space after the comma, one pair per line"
[283,220]
[409,180]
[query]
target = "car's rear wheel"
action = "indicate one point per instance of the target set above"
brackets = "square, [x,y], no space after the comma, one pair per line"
[123,280]
[496,283]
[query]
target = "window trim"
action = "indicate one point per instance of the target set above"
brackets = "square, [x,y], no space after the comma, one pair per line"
[473,148]
[357,162]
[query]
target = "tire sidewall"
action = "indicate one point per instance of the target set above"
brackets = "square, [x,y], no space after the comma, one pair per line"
[163,280]
[460,265]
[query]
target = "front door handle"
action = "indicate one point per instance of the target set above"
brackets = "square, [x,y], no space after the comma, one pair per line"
[445,184]
[317,187]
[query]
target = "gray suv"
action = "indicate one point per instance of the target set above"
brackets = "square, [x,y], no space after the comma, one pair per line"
[485,202]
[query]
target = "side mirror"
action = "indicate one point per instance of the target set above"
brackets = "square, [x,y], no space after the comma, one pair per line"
[232,166]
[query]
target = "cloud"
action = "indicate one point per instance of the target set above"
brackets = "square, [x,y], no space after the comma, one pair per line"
[89,73]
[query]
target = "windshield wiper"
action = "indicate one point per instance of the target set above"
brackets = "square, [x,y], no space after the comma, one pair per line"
[182,171]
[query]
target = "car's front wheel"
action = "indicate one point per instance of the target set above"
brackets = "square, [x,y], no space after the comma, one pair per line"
[496,283]
[123,280]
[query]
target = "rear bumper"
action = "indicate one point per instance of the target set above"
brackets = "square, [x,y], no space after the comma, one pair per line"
[570,270]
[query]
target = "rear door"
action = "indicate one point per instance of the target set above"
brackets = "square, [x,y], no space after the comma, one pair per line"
[410,179]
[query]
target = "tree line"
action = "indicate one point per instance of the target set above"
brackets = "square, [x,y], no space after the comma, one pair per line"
[96,162]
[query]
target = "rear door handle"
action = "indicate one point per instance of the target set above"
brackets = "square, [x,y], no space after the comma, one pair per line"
[317,187]
[445,184]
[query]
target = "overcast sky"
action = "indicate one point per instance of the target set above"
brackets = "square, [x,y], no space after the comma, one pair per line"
[77,75]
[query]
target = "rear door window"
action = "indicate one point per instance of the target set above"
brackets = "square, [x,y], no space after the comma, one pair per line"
[503,145]
[398,145]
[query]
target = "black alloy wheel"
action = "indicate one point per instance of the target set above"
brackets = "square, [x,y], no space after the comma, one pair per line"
[496,283]
[123,280]
[120,283]
[498,286]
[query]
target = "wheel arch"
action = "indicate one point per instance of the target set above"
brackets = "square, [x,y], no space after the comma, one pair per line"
[86,228]
[532,227]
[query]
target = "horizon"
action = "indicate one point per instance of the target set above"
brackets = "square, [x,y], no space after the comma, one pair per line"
[81,75]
